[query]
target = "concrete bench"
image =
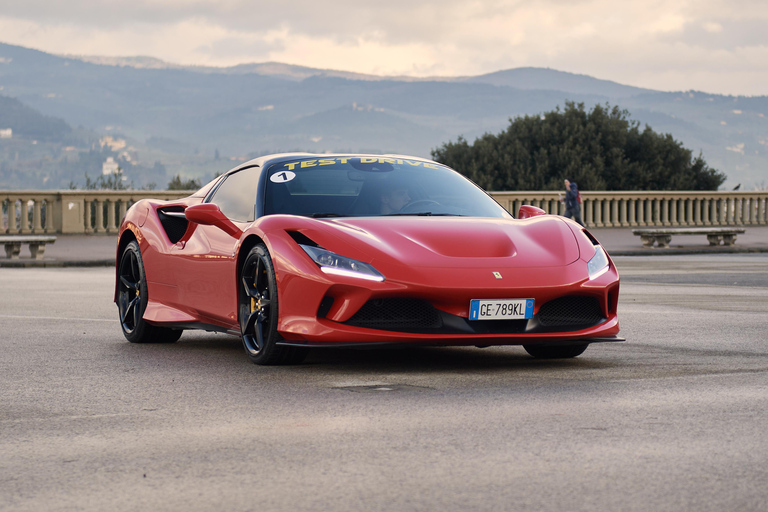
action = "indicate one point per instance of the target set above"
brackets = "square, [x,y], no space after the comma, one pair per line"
[662,237]
[36,245]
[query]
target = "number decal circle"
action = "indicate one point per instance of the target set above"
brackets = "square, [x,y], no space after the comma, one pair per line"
[282,177]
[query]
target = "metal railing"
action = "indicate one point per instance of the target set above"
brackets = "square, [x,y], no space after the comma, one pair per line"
[100,212]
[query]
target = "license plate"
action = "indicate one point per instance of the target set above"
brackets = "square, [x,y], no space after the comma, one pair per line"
[500,309]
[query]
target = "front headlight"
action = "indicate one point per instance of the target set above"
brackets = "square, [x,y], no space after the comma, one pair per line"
[598,265]
[332,263]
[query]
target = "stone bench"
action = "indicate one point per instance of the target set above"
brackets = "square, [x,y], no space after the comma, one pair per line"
[662,237]
[36,245]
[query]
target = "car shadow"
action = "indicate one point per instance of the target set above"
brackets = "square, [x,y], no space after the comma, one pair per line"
[225,350]
[438,359]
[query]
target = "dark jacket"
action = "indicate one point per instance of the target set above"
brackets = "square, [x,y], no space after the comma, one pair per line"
[572,196]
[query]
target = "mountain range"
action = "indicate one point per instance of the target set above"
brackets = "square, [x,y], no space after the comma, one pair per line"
[195,121]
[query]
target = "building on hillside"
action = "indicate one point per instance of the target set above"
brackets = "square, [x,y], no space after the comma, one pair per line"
[6,133]
[112,143]
[110,167]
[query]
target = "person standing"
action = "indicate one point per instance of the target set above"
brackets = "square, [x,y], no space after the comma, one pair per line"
[572,206]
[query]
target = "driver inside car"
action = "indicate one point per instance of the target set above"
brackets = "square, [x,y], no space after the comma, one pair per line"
[394,199]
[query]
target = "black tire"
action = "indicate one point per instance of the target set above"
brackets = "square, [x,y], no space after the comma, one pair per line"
[132,300]
[556,352]
[259,312]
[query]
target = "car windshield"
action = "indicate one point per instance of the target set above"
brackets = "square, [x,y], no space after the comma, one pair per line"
[375,186]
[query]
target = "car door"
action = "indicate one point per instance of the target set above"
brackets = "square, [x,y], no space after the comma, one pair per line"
[204,264]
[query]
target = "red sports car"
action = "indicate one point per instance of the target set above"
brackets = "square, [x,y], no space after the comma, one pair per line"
[297,250]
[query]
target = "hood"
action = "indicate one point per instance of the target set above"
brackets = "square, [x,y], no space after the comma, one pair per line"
[443,241]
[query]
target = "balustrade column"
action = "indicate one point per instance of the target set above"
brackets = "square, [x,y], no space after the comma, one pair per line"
[605,214]
[697,212]
[24,217]
[17,219]
[639,213]
[99,227]
[36,219]
[49,228]
[11,206]
[705,210]
[623,212]
[614,216]
[745,210]
[724,213]
[597,211]
[673,211]
[122,207]
[650,213]
[763,204]
[87,205]
[111,228]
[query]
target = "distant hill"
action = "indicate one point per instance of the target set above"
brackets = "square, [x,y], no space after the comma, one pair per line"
[29,123]
[181,116]
[550,79]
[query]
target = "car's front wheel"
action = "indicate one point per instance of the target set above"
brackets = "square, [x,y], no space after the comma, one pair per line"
[132,300]
[556,352]
[259,312]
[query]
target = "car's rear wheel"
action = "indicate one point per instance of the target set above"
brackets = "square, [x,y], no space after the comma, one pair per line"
[132,300]
[556,352]
[259,312]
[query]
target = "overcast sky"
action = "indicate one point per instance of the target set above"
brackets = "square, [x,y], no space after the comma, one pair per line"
[716,46]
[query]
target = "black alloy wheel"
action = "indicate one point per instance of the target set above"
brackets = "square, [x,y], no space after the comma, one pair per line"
[556,351]
[259,312]
[132,300]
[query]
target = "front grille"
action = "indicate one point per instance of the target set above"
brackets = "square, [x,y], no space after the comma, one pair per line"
[397,314]
[419,316]
[570,312]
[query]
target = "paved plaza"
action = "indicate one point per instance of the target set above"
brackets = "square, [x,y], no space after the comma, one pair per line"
[673,419]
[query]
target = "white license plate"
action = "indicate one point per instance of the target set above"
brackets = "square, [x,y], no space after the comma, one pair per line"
[500,309]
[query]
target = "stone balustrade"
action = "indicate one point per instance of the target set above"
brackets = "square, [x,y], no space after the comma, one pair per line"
[649,209]
[100,212]
[70,212]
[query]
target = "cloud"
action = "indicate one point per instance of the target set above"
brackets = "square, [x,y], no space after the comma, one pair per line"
[240,48]
[687,44]
[726,35]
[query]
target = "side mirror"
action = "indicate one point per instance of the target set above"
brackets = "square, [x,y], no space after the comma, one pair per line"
[527,211]
[210,214]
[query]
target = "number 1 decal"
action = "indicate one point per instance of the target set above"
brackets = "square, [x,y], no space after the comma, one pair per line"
[282,177]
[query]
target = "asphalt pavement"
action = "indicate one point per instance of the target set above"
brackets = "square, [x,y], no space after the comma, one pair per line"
[671,420]
[99,250]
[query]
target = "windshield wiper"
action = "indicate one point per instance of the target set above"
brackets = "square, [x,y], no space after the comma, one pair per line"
[326,215]
[422,214]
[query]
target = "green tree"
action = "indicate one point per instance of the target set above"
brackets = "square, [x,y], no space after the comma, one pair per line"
[600,150]
[177,183]
[112,181]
